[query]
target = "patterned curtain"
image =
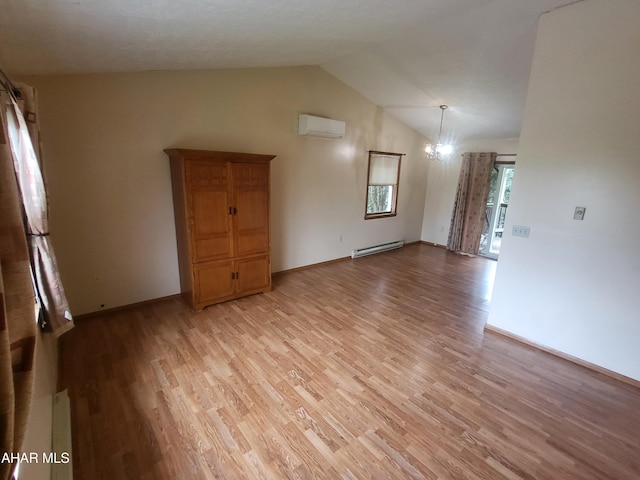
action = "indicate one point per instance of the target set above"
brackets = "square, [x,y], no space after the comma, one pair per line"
[18,326]
[470,204]
[24,142]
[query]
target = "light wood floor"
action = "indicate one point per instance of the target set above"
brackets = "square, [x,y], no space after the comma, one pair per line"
[369,368]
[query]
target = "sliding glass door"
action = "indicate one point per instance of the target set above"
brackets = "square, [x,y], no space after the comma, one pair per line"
[497,203]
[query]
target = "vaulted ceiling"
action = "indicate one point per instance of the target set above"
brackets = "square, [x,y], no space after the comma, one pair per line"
[408,56]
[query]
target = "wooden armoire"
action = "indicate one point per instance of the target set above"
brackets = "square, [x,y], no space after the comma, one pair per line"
[221,208]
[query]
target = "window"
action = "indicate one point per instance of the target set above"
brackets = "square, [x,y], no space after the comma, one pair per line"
[382,184]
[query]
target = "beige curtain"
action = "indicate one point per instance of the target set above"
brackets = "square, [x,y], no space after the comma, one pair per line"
[470,205]
[24,142]
[17,308]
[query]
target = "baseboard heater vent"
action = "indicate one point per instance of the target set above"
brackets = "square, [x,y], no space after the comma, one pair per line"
[361,252]
[62,468]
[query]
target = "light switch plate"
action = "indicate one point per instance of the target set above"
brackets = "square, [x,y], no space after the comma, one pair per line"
[520,231]
[578,214]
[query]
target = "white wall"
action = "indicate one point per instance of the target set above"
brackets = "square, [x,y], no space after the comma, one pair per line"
[443,183]
[111,208]
[573,285]
[39,431]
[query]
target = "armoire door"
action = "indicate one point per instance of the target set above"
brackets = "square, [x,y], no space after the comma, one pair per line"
[253,274]
[251,200]
[208,210]
[214,281]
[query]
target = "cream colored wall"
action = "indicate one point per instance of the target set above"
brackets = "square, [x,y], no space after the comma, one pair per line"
[573,285]
[443,183]
[111,208]
[39,426]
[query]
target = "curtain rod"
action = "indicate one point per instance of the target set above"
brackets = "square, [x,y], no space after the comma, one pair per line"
[7,86]
[500,154]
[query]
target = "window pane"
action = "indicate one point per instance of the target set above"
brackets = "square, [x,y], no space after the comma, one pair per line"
[379,199]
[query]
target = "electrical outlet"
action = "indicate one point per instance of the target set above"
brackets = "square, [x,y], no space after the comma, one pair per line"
[579,212]
[520,231]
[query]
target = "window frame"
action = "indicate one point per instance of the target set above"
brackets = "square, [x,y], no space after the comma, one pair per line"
[395,186]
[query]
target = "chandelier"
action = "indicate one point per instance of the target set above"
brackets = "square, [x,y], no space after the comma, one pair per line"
[439,151]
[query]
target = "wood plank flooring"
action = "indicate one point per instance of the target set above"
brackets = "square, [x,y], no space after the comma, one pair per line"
[370,368]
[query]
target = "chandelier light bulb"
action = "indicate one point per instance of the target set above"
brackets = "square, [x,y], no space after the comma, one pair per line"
[445,149]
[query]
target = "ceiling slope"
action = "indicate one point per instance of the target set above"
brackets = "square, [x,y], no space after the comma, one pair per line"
[408,56]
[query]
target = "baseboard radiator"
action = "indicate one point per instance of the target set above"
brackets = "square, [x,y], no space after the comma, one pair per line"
[61,439]
[361,252]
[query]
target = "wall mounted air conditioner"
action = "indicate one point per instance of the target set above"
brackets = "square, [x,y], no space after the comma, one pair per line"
[320,126]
